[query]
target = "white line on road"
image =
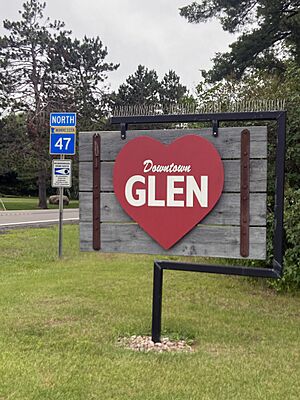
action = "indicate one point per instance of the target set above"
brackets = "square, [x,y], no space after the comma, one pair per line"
[38,222]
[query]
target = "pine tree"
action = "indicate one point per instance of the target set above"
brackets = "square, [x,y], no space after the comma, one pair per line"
[270,30]
[42,69]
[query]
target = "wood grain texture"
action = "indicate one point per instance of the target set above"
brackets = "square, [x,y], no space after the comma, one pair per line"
[207,241]
[226,212]
[258,176]
[218,235]
[227,143]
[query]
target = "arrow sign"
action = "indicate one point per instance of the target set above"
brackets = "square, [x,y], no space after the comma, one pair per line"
[61,173]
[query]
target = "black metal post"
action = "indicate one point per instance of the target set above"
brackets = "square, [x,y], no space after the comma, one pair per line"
[279,192]
[157,302]
[159,267]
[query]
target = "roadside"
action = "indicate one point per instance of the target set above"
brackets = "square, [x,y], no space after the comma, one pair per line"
[36,218]
[28,203]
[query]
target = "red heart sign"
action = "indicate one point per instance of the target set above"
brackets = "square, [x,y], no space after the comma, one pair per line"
[168,189]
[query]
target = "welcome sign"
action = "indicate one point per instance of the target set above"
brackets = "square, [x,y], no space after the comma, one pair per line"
[171,192]
[168,189]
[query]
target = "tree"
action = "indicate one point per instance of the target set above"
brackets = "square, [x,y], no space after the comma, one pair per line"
[42,70]
[144,88]
[260,84]
[171,91]
[269,30]
[140,88]
[80,70]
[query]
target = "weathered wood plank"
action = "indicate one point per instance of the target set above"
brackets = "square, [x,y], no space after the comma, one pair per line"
[227,142]
[226,212]
[207,241]
[258,176]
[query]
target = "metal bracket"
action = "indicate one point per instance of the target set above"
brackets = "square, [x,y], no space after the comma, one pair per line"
[124,127]
[96,191]
[215,127]
[245,193]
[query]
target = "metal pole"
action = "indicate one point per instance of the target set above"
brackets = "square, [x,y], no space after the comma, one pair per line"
[279,194]
[61,211]
[157,302]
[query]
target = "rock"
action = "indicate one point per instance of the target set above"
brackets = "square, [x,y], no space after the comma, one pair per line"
[55,200]
[145,344]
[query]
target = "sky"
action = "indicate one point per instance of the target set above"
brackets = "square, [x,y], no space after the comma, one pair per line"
[151,33]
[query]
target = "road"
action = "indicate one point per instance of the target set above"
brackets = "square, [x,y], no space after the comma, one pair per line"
[27,218]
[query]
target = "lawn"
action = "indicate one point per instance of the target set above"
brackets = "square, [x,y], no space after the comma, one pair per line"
[28,203]
[60,321]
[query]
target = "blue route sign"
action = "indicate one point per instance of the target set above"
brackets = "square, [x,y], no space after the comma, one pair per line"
[62,119]
[62,143]
[62,133]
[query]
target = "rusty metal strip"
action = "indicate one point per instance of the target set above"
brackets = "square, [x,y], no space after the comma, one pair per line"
[245,193]
[96,191]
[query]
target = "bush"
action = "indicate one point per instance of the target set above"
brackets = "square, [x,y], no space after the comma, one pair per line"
[291,276]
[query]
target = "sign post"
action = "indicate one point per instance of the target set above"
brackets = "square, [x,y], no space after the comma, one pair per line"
[61,212]
[62,142]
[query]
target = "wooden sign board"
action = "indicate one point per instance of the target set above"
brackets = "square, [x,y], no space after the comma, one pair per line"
[217,235]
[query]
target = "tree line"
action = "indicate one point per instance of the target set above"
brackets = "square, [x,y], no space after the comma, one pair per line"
[44,69]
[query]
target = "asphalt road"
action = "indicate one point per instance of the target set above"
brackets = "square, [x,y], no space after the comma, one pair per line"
[27,218]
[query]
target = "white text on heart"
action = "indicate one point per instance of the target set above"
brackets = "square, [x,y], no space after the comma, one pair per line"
[149,166]
[139,197]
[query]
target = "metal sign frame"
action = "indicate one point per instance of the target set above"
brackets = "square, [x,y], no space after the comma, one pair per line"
[273,271]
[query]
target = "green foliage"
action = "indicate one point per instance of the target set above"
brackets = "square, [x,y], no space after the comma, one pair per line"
[269,30]
[140,88]
[260,85]
[291,277]
[144,88]
[80,68]
[43,69]
[171,91]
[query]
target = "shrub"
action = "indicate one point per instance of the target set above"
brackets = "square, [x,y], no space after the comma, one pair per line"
[291,276]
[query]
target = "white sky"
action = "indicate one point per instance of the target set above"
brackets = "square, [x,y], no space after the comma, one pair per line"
[147,32]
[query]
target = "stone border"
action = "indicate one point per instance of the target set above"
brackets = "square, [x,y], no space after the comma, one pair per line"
[145,344]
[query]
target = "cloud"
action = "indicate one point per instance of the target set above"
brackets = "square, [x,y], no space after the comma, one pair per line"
[139,32]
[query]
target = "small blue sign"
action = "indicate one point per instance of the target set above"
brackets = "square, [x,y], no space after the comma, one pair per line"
[61,171]
[62,119]
[62,143]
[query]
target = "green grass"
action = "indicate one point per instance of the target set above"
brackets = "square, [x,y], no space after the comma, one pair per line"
[60,321]
[28,203]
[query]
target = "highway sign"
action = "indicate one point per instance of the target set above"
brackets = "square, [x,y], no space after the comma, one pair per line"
[63,119]
[61,173]
[62,143]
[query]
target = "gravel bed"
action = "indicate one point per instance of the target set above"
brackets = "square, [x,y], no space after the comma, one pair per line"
[145,344]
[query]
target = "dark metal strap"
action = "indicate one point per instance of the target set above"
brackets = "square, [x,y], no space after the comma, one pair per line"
[159,266]
[96,191]
[245,193]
